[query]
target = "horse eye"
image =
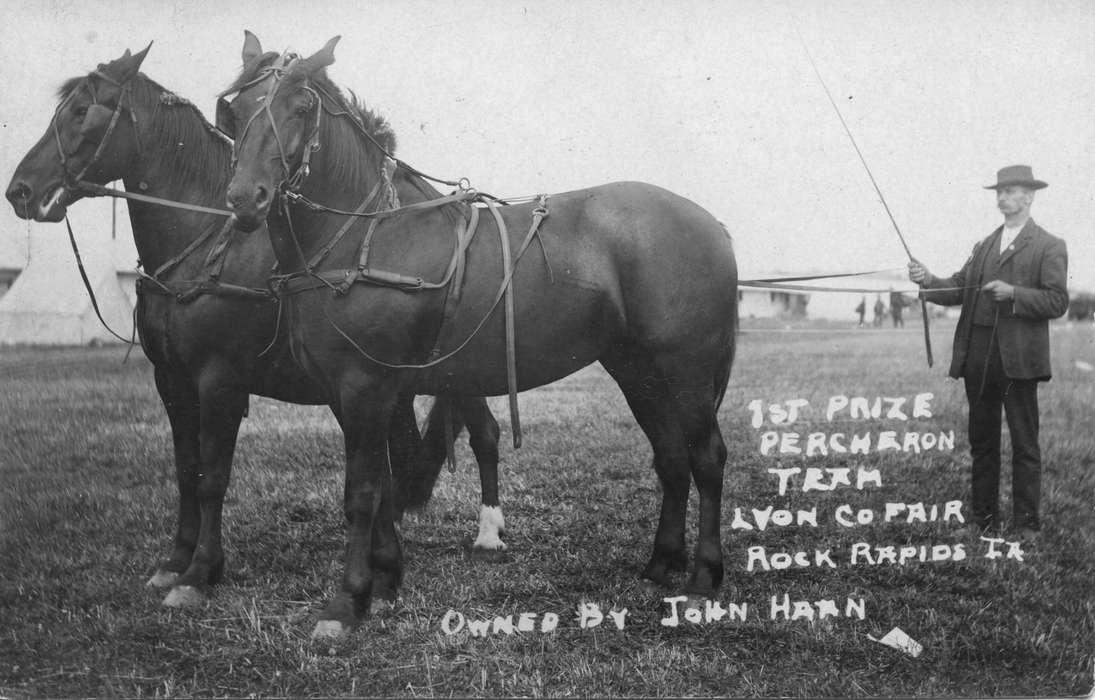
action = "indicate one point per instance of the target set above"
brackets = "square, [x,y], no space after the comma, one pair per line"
[81,111]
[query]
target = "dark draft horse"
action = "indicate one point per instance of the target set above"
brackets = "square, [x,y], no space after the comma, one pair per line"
[627,274]
[205,316]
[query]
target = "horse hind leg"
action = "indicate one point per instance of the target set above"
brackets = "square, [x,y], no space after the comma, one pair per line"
[483,436]
[677,411]
[707,458]
[650,400]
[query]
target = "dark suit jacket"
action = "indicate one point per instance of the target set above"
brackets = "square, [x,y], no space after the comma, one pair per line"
[1037,265]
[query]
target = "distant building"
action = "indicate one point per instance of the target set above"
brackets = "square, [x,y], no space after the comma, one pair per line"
[761,303]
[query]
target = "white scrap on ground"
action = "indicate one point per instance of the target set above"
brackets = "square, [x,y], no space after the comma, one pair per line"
[897,639]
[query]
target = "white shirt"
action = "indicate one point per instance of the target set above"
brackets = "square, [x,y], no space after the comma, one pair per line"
[1007,236]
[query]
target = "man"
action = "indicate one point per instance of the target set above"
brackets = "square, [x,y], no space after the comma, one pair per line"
[897,305]
[1009,288]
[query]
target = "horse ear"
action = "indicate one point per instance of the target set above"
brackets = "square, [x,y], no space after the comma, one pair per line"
[252,47]
[127,66]
[322,58]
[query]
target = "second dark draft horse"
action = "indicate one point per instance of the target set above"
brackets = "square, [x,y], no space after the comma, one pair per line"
[625,274]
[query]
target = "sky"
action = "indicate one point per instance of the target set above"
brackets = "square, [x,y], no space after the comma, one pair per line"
[716,101]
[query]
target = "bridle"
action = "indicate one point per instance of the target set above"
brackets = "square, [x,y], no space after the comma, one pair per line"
[74,182]
[293,179]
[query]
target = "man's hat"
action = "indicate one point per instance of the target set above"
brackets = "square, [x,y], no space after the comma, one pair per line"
[1016,175]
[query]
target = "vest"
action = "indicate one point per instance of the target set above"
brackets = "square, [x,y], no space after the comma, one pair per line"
[984,310]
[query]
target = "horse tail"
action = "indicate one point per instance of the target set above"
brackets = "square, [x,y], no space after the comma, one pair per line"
[417,486]
[722,371]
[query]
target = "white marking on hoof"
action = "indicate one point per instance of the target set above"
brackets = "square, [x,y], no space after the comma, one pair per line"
[184,597]
[328,629]
[162,579]
[491,525]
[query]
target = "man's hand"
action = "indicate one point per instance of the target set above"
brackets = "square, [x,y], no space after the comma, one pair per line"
[1000,290]
[918,273]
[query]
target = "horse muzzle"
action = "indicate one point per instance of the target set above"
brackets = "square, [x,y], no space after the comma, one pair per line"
[249,206]
[50,205]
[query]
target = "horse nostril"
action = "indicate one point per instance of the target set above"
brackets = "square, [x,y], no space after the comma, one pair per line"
[262,196]
[20,192]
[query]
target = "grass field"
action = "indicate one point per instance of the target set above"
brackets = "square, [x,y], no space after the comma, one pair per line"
[88,510]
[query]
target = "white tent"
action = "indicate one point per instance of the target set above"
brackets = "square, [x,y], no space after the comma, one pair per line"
[48,304]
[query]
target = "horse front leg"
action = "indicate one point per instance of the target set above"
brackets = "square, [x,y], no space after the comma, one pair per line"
[223,403]
[180,400]
[374,554]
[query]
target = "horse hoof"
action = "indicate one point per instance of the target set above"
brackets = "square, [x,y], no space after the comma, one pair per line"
[328,629]
[650,589]
[488,544]
[382,607]
[162,579]
[184,597]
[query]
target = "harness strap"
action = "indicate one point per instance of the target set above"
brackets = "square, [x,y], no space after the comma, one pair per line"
[450,434]
[460,196]
[538,217]
[218,252]
[465,231]
[323,252]
[188,290]
[194,245]
[511,339]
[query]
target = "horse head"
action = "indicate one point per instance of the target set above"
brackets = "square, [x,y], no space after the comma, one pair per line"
[92,136]
[275,120]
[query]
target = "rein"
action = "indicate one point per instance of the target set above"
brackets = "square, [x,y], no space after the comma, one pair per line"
[97,190]
[91,292]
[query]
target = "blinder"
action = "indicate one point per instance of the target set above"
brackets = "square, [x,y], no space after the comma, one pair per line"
[96,122]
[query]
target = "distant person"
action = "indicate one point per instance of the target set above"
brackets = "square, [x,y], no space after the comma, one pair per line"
[861,310]
[879,312]
[1009,289]
[897,306]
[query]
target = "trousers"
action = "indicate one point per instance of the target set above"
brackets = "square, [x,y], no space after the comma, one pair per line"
[988,390]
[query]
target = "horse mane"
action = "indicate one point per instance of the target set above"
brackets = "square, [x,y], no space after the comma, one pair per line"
[175,120]
[346,166]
